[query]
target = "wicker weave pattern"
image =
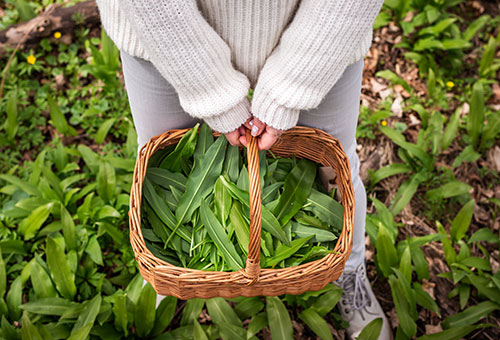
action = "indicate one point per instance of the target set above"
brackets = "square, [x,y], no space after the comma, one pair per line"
[186,283]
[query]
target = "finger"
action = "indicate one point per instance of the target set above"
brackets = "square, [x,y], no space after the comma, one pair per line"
[258,127]
[243,141]
[242,138]
[248,124]
[233,137]
[266,140]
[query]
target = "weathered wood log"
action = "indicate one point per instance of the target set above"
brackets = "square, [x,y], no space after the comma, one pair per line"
[54,18]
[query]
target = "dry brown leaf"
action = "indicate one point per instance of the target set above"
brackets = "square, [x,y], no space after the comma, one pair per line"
[298,327]
[397,69]
[60,81]
[396,107]
[338,334]
[409,16]
[401,90]
[480,214]
[372,157]
[494,261]
[393,27]
[376,87]
[489,193]
[414,120]
[385,93]
[327,176]
[494,158]
[66,39]
[431,329]
[477,5]
[464,110]
[371,60]
[496,92]
[393,318]
[369,252]
[428,287]
[204,317]
[407,216]
[368,100]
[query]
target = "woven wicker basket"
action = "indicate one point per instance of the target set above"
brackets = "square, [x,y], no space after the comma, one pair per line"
[185,283]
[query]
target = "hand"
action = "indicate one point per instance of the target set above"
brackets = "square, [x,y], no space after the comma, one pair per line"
[267,135]
[236,137]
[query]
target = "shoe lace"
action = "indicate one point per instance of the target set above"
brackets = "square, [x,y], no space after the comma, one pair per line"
[355,292]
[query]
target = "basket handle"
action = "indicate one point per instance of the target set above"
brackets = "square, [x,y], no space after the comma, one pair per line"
[252,269]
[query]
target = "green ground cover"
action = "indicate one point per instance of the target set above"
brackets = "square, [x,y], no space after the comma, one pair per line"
[429,138]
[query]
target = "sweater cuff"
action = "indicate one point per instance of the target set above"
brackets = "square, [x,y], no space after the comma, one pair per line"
[230,120]
[272,113]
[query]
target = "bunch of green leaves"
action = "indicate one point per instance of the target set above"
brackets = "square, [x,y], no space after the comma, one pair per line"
[483,125]
[61,240]
[25,10]
[125,312]
[105,62]
[404,264]
[434,36]
[246,318]
[488,64]
[418,159]
[467,271]
[77,104]
[196,207]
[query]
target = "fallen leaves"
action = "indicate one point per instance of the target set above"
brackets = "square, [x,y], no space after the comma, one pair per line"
[495,265]
[493,158]
[431,329]
[376,87]
[464,110]
[428,287]
[496,93]
[396,106]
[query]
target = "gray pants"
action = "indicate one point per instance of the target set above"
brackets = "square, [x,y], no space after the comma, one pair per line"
[156,109]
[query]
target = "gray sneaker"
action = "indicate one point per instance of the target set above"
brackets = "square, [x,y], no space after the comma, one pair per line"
[359,305]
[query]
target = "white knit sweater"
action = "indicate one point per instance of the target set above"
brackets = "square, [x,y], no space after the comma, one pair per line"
[291,52]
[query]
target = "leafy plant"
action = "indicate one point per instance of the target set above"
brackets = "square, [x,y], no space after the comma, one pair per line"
[191,220]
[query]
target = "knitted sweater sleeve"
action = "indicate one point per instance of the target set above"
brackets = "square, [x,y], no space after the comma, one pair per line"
[194,59]
[324,38]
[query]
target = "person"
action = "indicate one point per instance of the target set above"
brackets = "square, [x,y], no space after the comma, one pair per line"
[185,61]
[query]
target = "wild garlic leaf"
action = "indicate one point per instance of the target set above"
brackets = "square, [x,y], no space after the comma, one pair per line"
[298,184]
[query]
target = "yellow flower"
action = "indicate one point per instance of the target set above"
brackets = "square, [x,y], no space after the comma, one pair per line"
[383,123]
[31,59]
[450,84]
[57,35]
